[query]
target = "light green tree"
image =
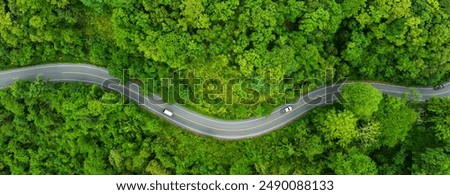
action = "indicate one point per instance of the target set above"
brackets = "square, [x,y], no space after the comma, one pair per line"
[338,126]
[352,163]
[439,117]
[361,98]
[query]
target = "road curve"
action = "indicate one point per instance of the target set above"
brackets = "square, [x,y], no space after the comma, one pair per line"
[190,120]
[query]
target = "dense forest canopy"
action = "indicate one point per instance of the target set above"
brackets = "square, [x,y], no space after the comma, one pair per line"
[401,41]
[286,44]
[66,129]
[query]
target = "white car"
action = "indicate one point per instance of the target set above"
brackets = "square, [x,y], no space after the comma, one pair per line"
[167,112]
[287,109]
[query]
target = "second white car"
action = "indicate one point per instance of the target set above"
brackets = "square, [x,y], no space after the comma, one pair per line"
[167,112]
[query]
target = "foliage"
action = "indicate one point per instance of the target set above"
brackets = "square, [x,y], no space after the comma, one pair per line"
[264,41]
[396,119]
[439,112]
[433,161]
[352,163]
[68,129]
[339,126]
[285,44]
[361,98]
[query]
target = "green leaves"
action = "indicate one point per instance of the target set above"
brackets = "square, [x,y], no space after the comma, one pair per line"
[403,38]
[396,119]
[338,126]
[351,7]
[361,98]
[315,20]
[193,16]
[64,129]
[400,41]
[432,162]
[438,110]
[352,163]
[12,105]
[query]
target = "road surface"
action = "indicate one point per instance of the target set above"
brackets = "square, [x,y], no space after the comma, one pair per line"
[182,117]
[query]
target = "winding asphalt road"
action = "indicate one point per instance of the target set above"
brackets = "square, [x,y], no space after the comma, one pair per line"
[192,121]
